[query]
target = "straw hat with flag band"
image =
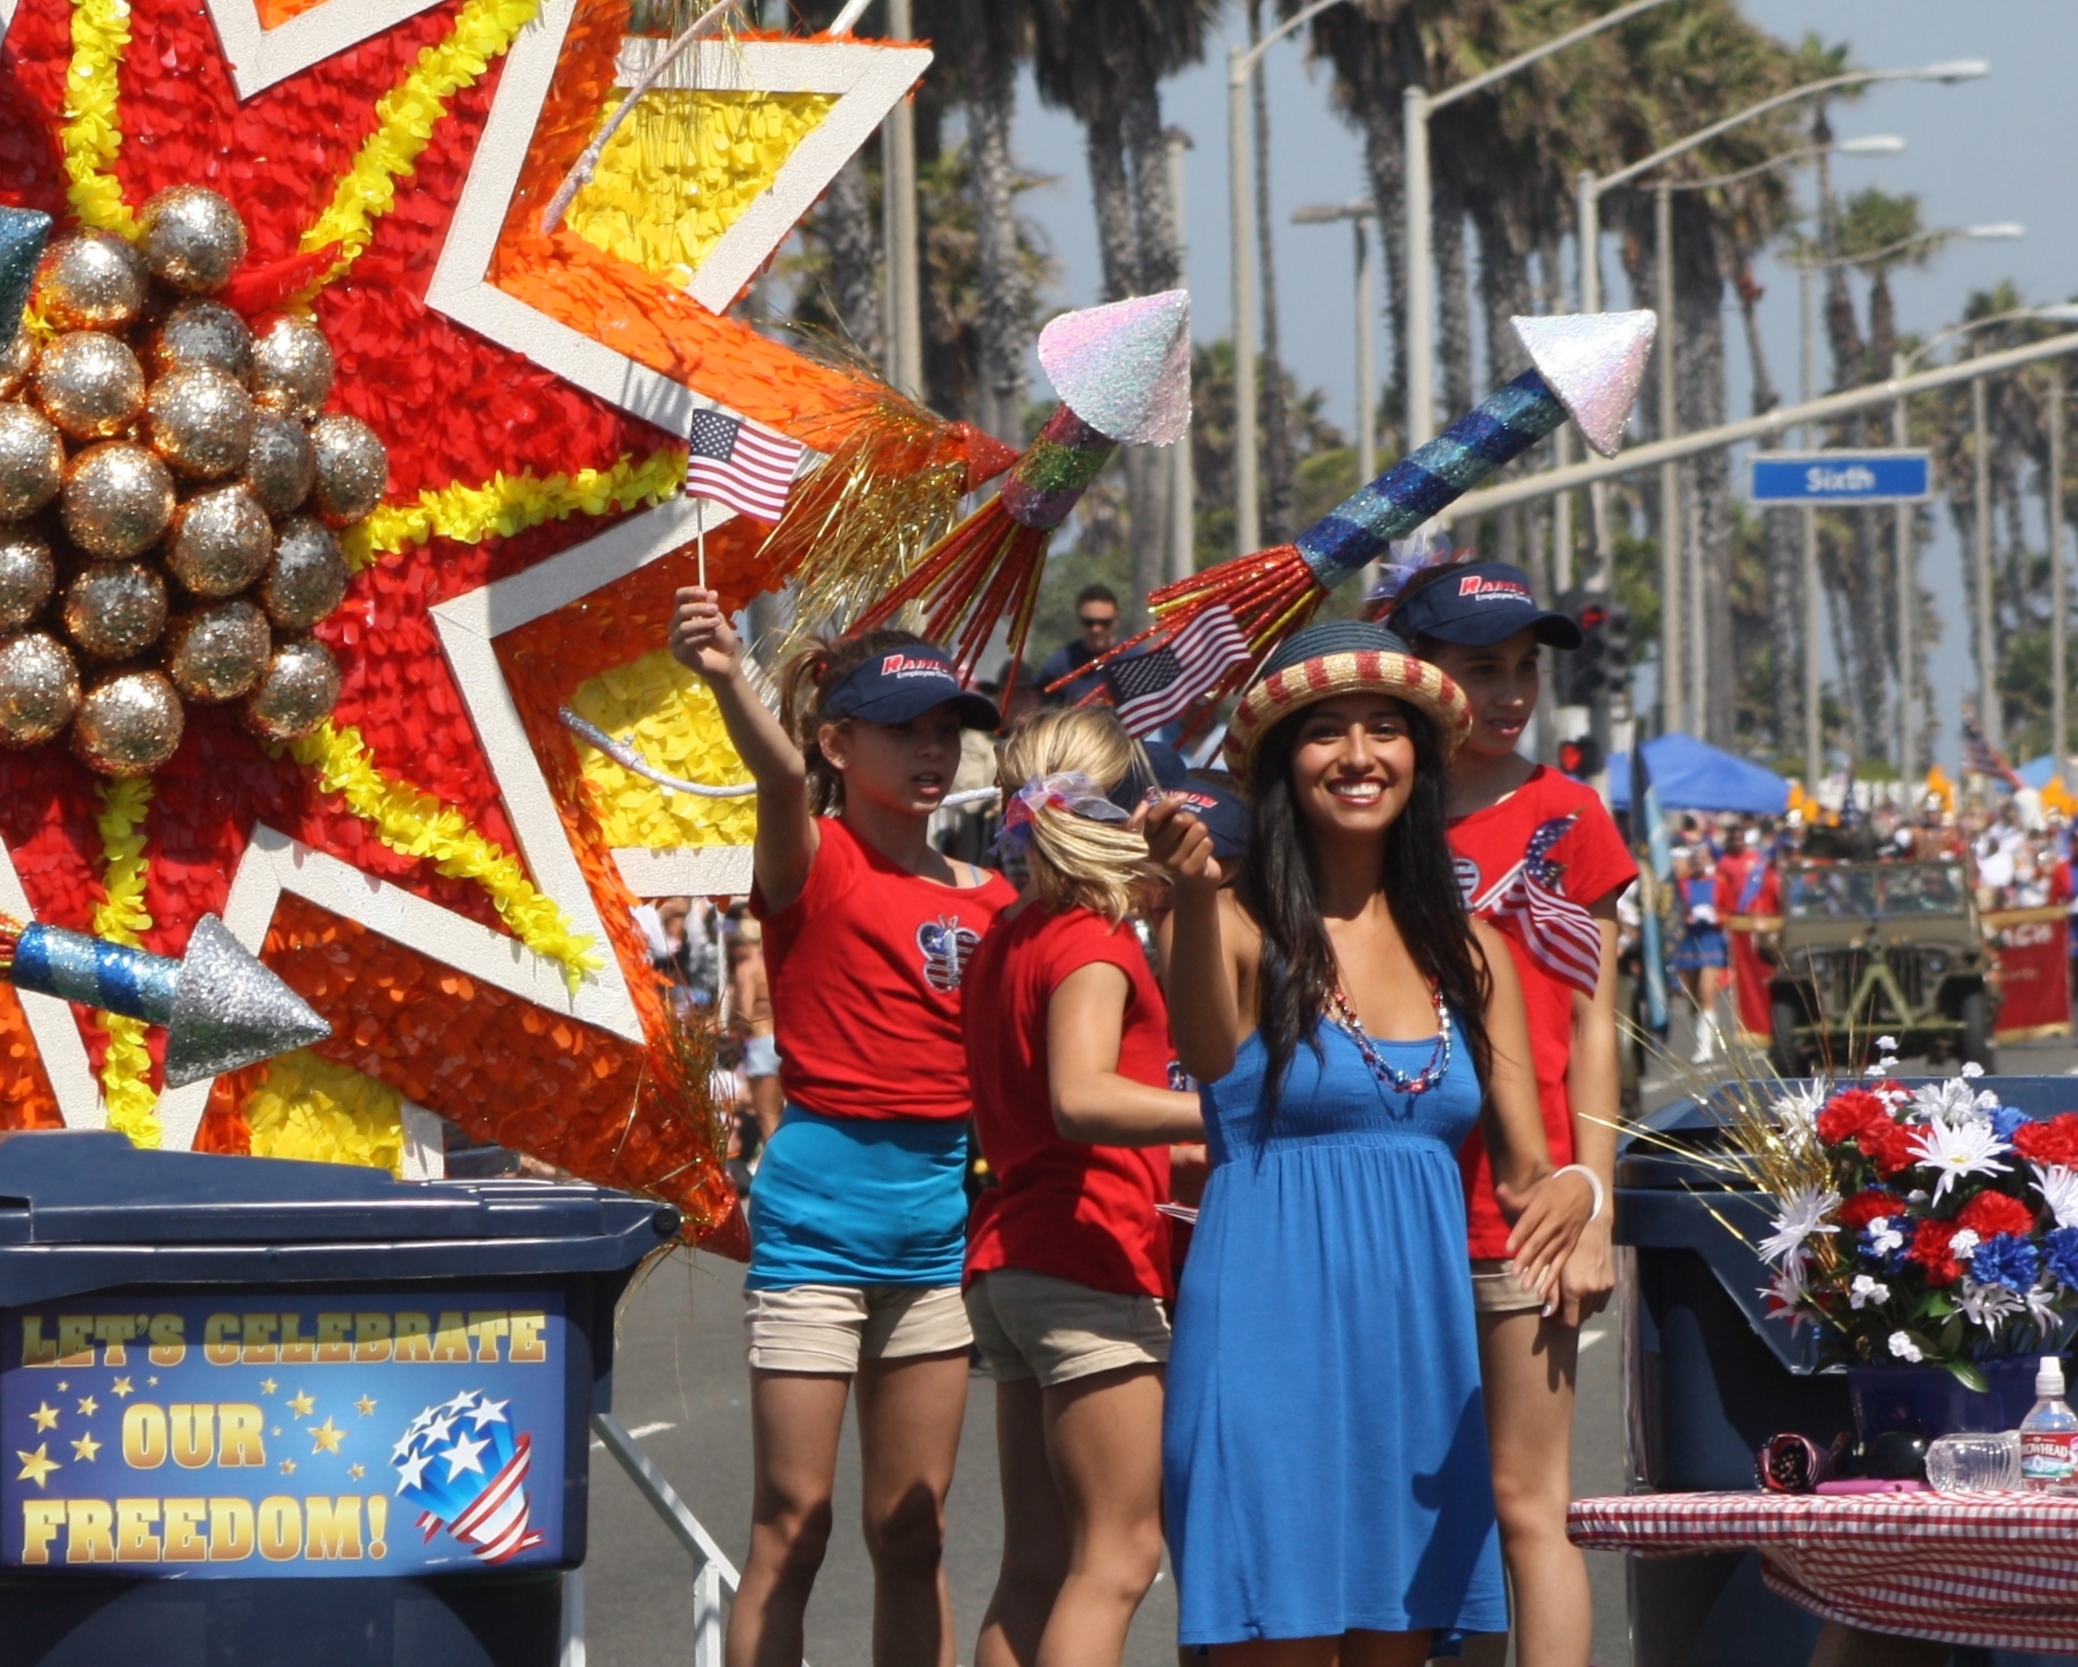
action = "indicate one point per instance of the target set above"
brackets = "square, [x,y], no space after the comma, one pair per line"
[1341,657]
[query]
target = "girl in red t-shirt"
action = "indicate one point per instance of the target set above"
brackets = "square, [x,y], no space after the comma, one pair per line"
[1068,1259]
[858,1211]
[1538,857]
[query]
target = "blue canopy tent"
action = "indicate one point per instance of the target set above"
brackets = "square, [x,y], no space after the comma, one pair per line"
[1693,775]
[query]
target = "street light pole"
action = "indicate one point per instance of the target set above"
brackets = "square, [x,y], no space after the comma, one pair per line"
[1183,481]
[1907,578]
[2059,601]
[1814,600]
[1673,690]
[1988,714]
[904,275]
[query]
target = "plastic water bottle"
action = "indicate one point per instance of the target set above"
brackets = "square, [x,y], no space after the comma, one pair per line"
[2049,1435]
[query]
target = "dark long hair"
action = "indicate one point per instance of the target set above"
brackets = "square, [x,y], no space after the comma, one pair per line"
[1278,887]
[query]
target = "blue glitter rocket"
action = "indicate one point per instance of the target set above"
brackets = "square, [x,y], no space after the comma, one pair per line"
[23,233]
[465,1468]
[222,1008]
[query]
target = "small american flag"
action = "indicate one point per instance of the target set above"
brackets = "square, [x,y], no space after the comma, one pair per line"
[1158,687]
[1562,936]
[749,469]
[1981,758]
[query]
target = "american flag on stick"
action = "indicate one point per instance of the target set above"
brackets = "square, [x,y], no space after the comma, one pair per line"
[749,469]
[1560,935]
[1158,687]
[1981,758]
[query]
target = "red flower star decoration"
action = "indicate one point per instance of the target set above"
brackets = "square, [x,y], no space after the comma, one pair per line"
[400,944]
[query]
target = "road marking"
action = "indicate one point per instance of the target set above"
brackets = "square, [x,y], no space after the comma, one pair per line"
[638,1432]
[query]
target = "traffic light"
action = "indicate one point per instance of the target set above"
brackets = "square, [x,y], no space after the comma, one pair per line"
[1616,651]
[1580,674]
[1581,757]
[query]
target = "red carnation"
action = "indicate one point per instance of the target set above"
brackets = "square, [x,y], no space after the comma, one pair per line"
[1890,1148]
[2051,1142]
[1930,1251]
[1991,1213]
[1866,1205]
[1848,1113]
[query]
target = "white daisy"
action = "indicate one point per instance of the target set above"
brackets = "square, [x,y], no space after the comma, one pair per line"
[2042,1309]
[1865,1290]
[1796,1113]
[2059,1189]
[1803,1214]
[1787,1291]
[1989,1306]
[1951,1100]
[1955,1150]
[1904,1348]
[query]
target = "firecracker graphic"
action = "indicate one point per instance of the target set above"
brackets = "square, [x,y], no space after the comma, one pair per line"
[462,1464]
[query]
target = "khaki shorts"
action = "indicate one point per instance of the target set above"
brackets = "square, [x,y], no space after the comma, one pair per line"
[1032,1325]
[832,1328]
[1496,1290]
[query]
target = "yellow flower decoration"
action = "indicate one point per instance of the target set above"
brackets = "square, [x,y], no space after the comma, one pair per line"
[508,504]
[419,825]
[677,727]
[404,120]
[91,135]
[312,1109]
[120,917]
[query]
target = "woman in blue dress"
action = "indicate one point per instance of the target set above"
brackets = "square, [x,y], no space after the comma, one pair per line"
[1325,1451]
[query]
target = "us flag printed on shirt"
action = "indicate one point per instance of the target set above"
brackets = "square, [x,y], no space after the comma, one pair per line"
[1561,936]
[746,468]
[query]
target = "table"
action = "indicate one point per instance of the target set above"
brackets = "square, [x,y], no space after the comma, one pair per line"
[1998,1570]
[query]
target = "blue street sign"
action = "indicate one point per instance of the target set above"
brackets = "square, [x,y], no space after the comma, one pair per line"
[1842,477]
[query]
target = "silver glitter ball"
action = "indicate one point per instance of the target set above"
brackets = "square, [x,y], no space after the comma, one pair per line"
[114,609]
[292,367]
[91,281]
[89,384]
[28,575]
[307,578]
[39,688]
[353,469]
[280,467]
[193,238]
[200,421]
[297,694]
[32,462]
[129,724]
[221,541]
[204,334]
[219,652]
[17,364]
[117,501]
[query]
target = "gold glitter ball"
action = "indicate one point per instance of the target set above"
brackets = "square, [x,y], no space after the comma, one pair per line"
[129,725]
[292,367]
[17,364]
[280,466]
[219,652]
[200,421]
[28,575]
[117,501]
[221,541]
[39,688]
[114,609]
[307,578]
[91,281]
[193,238]
[353,468]
[89,384]
[297,694]
[202,334]
[32,462]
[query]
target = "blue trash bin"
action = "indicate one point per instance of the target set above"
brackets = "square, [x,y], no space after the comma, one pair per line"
[1708,1378]
[258,1413]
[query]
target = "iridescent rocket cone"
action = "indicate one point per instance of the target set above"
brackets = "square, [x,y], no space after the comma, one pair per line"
[1123,374]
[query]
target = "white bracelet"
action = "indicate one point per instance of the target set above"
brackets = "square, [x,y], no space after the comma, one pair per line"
[1593,1180]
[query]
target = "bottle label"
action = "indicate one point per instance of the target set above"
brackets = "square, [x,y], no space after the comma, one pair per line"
[2048,1459]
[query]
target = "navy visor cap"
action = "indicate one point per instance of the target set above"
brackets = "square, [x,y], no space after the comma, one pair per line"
[905,683]
[1481,603]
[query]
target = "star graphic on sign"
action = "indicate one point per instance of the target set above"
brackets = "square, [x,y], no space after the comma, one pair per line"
[88,1406]
[365,1406]
[357,1471]
[461,1403]
[438,1430]
[152,1382]
[301,1404]
[326,1437]
[288,1467]
[45,1417]
[489,1411]
[411,1473]
[266,1386]
[36,1466]
[120,1388]
[464,1455]
[86,1447]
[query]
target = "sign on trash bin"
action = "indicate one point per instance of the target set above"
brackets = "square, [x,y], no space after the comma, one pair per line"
[1842,477]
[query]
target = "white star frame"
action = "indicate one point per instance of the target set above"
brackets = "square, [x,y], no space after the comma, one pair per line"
[260,56]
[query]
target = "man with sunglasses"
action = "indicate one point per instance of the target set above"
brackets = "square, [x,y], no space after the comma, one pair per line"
[1096,620]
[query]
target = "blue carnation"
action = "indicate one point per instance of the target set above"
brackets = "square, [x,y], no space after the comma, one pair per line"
[2063,1255]
[2005,1259]
[2004,1120]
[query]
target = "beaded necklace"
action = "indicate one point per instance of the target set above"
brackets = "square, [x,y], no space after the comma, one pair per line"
[1414,1082]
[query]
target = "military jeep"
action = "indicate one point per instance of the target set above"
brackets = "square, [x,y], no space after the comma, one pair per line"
[1868,949]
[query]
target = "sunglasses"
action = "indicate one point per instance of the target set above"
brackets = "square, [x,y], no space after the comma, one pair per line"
[1096,619]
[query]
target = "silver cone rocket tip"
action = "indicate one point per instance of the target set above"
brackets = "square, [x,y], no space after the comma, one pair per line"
[230,1010]
[1125,368]
[1595,363]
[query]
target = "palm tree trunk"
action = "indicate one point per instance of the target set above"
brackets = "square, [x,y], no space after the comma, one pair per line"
[1385,162]
[1706,483]
[1148,475]
[991,76]
[1779,544]
[1453,294]
[1118,240]
[851,231]
[1279,466]
[1504,291]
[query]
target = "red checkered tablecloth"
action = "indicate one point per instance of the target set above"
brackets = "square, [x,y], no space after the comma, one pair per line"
[1999,1570]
